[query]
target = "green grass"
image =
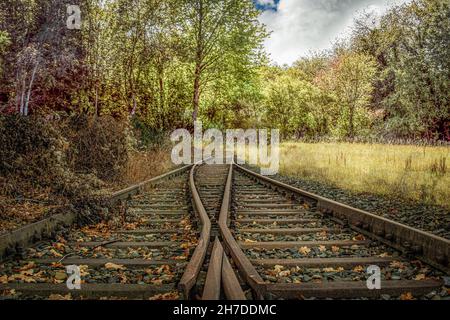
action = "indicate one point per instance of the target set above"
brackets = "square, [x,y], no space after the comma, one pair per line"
[410,172]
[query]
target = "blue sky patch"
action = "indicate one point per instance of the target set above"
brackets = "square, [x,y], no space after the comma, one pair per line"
[266,4]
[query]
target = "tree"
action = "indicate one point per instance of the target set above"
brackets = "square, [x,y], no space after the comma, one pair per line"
[294,103]
[225,36]
[410,45]
[351,77]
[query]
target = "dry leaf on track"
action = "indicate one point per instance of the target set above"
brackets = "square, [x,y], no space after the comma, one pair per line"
[114,266]
[60,297]
[397,264]
[420,276]
[4,279]
[407,296]
[157,282]
[358,269]
[359,237]
[166,296]
[304,250]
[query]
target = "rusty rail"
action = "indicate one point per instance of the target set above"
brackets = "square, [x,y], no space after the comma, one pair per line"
[211,291]
[245,267]
[192,270]
[427,247]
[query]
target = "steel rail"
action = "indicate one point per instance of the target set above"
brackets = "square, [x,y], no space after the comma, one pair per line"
[230,282]
[211,290]
[431,249]
[220,274]
[192,270]
[245,267]
[339,289]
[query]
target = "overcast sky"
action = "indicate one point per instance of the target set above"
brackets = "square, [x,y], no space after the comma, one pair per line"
[301,26]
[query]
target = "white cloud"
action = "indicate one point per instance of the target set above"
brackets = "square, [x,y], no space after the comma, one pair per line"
[302,26]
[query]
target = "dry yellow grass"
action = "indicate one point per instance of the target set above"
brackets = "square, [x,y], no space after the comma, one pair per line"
[410,172]
[146,165]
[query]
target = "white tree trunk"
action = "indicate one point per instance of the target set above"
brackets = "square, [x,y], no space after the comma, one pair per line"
[22,97]
[29,89]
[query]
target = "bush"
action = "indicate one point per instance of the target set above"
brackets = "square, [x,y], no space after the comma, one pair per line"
[98,146]
[29,151]
[67,157]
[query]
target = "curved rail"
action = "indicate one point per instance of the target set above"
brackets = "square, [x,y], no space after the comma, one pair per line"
[246,269]
[193,268]
[427,247]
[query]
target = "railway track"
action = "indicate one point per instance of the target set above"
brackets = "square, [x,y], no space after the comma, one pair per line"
[224,232]
[153,250]
[289,244]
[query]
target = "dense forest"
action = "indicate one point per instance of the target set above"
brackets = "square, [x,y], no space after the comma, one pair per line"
[166,63]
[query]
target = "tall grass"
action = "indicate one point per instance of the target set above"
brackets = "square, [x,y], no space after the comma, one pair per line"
[418,173]
[144,165]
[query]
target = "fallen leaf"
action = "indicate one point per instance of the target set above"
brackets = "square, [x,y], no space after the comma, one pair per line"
[184,245]
[335,248]
[84,270]
[157,282]
[4,279]
[60,297]
[166,296]
[59,246]
[359,237]
[304,250]
[397,264]
[21,277]
[114,266]
[56,265]
[420,276]
[55,253]
[284,273]
[322,248]
[407,296]
[358,269]
[249,241]
[28,266]
[278,268]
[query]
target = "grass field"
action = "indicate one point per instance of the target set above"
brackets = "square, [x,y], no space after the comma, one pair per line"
[410,172]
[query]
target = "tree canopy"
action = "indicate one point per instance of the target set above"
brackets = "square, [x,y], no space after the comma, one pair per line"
[168,63]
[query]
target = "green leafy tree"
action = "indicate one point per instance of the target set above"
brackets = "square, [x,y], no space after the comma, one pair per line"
[350,78]
[224,38]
